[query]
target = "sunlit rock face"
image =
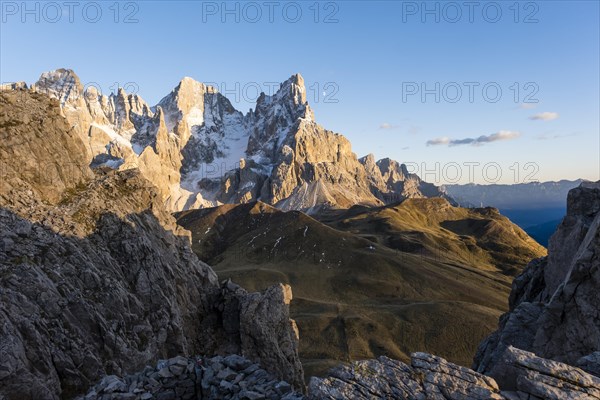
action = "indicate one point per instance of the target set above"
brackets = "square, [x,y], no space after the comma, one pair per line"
[199,151]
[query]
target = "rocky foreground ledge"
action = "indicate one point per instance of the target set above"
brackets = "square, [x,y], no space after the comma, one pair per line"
[525,376]
[182,378]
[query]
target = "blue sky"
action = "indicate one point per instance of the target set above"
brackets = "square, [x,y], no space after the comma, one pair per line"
[365,57]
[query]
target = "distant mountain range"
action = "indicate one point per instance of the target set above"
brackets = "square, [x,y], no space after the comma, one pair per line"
[534,195]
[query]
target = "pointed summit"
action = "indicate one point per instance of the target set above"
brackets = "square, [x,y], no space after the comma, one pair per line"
[62,84]
[292,90]
[190,84]
[369,159]
[297,88]
[287,104]
[185,100]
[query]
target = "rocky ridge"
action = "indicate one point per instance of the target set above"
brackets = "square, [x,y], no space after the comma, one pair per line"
[392,182]
[199,151]
[75,309]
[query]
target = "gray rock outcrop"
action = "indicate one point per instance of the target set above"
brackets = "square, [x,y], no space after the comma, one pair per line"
[554,303]
[521,374]
[518,375]
[428,377]
[182,378]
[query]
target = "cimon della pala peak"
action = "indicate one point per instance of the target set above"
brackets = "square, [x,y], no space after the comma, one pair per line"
[200,151]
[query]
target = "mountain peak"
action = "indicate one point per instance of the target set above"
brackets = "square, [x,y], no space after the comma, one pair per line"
[61,83]
[188,84]
[289,100]
[368,161]
[297,79]
[294,88]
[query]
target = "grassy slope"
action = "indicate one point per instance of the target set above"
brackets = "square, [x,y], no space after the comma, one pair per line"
[367,282]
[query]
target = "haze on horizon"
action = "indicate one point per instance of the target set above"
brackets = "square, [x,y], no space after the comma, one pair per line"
[425,93]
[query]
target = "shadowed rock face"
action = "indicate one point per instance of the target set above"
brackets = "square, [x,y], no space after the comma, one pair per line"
[74,309]
[96,278]
[554,303]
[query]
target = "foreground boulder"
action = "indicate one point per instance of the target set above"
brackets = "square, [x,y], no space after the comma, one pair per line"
[428,377]
[522,373]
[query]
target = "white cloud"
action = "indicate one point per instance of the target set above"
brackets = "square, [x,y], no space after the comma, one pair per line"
[438,141]
[387,125]
[478,141]
[545,116]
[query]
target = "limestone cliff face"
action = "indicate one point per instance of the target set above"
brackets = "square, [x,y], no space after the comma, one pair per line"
[300,165]
[65,86]
[554,303]
[41,154]
[198,150]
[96,278]
[313,168]
[205,123]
